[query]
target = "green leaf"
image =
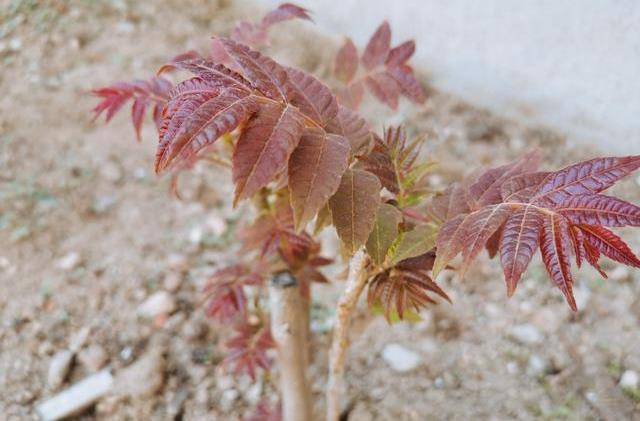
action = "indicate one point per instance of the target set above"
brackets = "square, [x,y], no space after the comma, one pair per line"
[409,316]
[413,243]
[385,231]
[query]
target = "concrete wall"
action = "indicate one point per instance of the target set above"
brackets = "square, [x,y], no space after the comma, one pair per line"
[572,65]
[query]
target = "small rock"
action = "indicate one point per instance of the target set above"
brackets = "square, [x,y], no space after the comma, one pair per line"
[629,380]
[158,304]
[69,262]
[78,397]
[178,262]
[78,339]
[438,383]
[143,378]
[4,263]
[400,358]
[172,281]
[59,368]
[195,235]
[229,396]
[526,334]
[93,357]
[253,394]
[103,204]
[512,367]
[536,366]
[111,171]
[139,173]
[194,329]
[225,382]
[15,44]
[620,274]
[126,353]
[125,27]
[216,224]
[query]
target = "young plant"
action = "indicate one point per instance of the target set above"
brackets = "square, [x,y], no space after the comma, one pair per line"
[299,154]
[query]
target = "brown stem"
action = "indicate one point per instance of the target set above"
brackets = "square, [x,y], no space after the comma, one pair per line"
[289,333]
[340,342]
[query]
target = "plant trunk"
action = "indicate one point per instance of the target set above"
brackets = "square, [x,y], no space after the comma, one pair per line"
[340,342]
[289,332]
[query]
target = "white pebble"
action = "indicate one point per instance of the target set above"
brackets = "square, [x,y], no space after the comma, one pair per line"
[159,303]
[629,380]
[69,262]
[59,368]
[526,334]
[400,358]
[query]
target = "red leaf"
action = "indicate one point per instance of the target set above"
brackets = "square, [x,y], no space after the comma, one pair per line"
[598,209]
[519,241]
[346,62]
[400,54]
[143,93]
[384,88]
[407,82]
[379,162]
[265,74]
[312,97]
[378,47]
[285,11]
[248,350]
[264,147]
[586,177]
[350,125]
[555,248]
[351,95]
[202,124]
[315,169]
[521,188]
[609,244]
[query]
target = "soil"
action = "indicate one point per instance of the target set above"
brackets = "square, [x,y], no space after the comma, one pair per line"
[88,233]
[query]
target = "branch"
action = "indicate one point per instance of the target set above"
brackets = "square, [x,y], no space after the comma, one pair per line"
[340,342]
[289,333]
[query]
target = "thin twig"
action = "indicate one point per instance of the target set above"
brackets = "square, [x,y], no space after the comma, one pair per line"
[340,342]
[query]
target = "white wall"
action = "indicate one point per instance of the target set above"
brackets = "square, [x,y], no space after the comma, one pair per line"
[572,65]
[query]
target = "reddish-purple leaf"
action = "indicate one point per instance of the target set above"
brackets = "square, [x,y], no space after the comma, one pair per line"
[479,226]
[519,241]
[346,62]
[379,162]
[599,209]
[203,125]
[384,88]
[349,124]
[378,47]
[522,187]
[354,207]
[450,203]
[609,244]
[315,169]
[312,97]
[400,54]
[264,147]
[351,95]
[265,74]
[487,189]
[285,11]
[555,248]
[143,93]
[586,177]
[410,87]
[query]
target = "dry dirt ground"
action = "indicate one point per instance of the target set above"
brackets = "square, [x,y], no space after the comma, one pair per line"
[88,233]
